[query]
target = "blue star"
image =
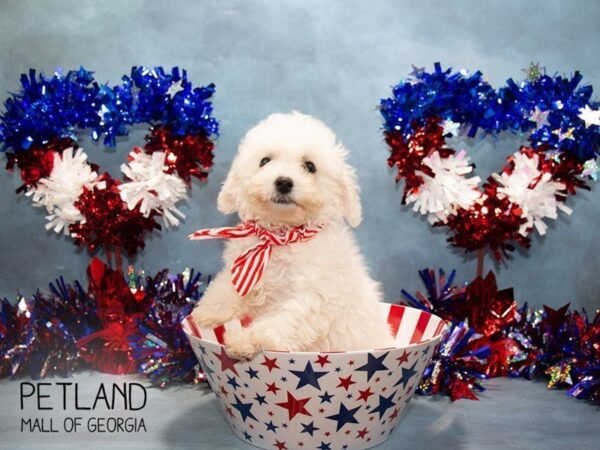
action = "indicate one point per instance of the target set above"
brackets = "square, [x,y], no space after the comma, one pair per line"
[271,426]
[407,374]
[260,436]
[308,376]
[292,361]
[326,397]
[324,446]
[233,382]
[253,373]
[284,379]
[373,365]
[344,416]
[385,403]
[260,399]
[309,428]
[247,436]
[202,349]
[338,369]
[246,385]
[244,409]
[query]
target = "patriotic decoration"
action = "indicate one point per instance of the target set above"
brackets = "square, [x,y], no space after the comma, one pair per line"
[39,129]
[555,112]
[248,268]
[326,400]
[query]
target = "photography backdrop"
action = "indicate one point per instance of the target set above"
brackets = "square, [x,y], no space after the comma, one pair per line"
[333,60]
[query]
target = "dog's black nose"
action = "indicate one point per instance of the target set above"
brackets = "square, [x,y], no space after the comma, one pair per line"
[284,185]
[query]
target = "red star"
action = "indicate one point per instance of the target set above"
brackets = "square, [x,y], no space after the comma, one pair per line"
[377,379]
[346,382]
[322,360]
[348,431]
[229,411]
[272,388]
[321,410]
[270,364]
[251,426]
[270,413]
[280,445]
[300,444]
[226,361]
[362,433]
[403,358]
[295,406]
[223,391]
[364,395]
[394,414]
[327,433]
[351,363]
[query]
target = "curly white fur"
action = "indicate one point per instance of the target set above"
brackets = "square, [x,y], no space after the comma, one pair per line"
[315,295]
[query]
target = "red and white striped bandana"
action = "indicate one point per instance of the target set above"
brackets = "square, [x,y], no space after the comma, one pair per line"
[249,267]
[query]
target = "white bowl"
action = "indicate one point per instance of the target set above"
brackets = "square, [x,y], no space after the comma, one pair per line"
[322,400]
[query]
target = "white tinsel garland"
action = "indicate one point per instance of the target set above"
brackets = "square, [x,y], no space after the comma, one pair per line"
[449,189]
[534,191]
[59,191]
[152,187]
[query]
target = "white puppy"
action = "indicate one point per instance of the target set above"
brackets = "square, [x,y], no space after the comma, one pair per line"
[314,295]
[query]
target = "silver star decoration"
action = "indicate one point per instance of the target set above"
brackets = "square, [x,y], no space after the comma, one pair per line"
[562,135]
[591,169]
[414,77]
[451,128]
[589,116]
[175,87]
[539,117]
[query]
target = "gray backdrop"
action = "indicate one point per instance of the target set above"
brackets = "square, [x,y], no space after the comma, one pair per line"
[334,60]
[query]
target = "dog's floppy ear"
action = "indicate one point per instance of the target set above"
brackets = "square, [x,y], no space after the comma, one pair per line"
[227,201]
[351,207]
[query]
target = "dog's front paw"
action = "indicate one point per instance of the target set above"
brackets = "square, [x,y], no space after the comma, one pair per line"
[241,344]
[207,316]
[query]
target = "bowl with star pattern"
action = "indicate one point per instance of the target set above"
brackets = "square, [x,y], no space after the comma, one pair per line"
[323,400]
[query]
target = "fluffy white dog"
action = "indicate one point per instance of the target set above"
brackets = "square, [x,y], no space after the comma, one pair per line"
[316,294]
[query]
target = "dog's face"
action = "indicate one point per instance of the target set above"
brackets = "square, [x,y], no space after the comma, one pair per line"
[290,171]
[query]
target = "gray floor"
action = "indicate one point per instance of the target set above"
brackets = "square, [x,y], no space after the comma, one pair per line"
[512,414]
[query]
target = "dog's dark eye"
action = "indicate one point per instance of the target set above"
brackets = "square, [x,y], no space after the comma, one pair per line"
[264,161]
[310,167]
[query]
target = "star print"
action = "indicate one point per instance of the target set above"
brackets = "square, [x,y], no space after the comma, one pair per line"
[362,433]
[347,432]
[351,363]
[321,410]
[416,74]
[226,361]
[175,87]
[260,399]
[253,373]
[394,414]
[450,128]
[364,395]
[324,446]
[589,116]
[344,416]
[280,445]
[308,377]
[295,406]
[202,349]
[385,403]
[407,374]
[271,426]
[233,382]
[247,436]
[270,364]
[539,117]
[284,425]
[244,409]
[260,436]
[346,382]
[292,361]
[272,388]
[338,369]
[322,360]
[283,379]
[373,365]
[349,396]
[300,444]
[229,411]
[223,391]
[309,428]
[326,397]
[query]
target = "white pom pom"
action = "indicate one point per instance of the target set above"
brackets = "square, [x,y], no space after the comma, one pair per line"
[446,191]
[151,187]
[59,192]
[533,190]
